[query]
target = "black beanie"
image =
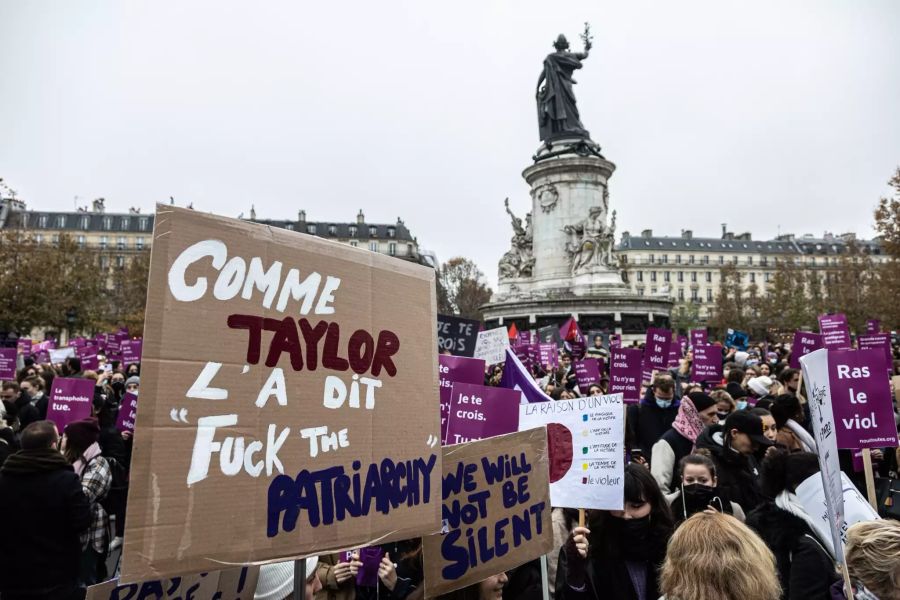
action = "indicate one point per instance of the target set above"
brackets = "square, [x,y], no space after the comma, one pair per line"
[701,401]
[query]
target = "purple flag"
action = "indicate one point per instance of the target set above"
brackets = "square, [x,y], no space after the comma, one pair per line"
[478,412]
[835,332]
[131,351]
[804,343]
[625,373]
[8,364]
[368,573]
[656,350]
[698,336]
[24,347]
[707,363]
[548,355]
[70,400]
[881,341]
[861,399]
[88,357]
[127,412]
[456,369]
[587,373]
[516,377]
[873,326]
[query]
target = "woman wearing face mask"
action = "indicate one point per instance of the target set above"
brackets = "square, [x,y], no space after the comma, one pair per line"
[618,557]
[699,490]
[724,403]
[696,412]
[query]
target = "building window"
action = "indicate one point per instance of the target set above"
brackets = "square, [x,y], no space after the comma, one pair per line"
[665,259]
[139,243]
[123,223]
[392,232]
[666,276]
[289,226]
[640,291]
[80,239]
[640,276]
[354,243]
[39,238]
[353,230]
[55,238]
[120,242]
[653,276]
[680,277]
[85,222]
[651,259]
[332,230]
[694,296]
[681,293]
[812,261]
[104,242]
[709,295]
[104,261]
[709,277]
[42,221]
[691,259]
[373,231]
[392,249]
[764,260]
[749,260]
[311,229]
[653,290]
[706,260]
[677,259]
[766,277]
[624,259]
[373,246]
[107,223]
[61,221]
[721,260]
[409,249]
[752,277]
[694,277]
[734,260]
[143,223]
[120,261]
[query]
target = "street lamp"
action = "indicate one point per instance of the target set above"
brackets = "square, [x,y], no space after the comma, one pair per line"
[71,317]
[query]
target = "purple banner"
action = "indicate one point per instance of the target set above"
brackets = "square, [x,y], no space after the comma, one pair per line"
[456,369]
[478,412]
[879,341]
[625,373]
[131,351]
[615,340]
[873,326]
[699,336]
[127,412]
[707,363]
[88,357]
[24,347]
[8,364]
[861,399]
[587,373]
[835,332]
[70,400]
[804,343]
[548,354]
[524,338]
[656,349]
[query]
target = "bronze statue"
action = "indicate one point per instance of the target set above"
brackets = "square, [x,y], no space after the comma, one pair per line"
[557,111]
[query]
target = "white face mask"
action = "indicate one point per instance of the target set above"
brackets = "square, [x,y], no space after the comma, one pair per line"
[663,402]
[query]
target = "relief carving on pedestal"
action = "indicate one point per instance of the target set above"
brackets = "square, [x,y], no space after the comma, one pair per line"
[547,197]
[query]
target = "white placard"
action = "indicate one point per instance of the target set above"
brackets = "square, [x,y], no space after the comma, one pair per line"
[586,439]
[856,508]
[491,345]
[60,355]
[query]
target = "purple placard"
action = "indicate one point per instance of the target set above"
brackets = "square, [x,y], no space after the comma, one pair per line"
[804,343]
[70,400]
[548,354]
[368,573]
[77,342]
[699,336]
[88,357]
[615,340]
[835,332]
[674,356]
[861,399]
[625,373]
[23,345]
[656,349]
[577,348]
[587,373]
[127,412]
[8,364]
[131,351]
[456,369]
[523,353]
[707,363]
[524,338]
[478,412]
[880,341]
[858,464]
[873,326]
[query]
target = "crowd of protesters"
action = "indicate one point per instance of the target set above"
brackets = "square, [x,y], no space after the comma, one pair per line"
[709,506]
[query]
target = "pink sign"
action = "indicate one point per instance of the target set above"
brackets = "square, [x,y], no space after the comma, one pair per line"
[456,369]
[835,332]
[873,326]
[478,412]
[8,364]
[24,347]
[698,336]
[587,373]
[127,412]
[524,338]
[88,357]
[70,400]
[625,373]
[804,343]
[861,399]
[707,363]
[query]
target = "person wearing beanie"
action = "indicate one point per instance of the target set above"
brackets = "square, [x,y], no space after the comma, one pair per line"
[276,581]
[132,384]
[697,410]
[81,449]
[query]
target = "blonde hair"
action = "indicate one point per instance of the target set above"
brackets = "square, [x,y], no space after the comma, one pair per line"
[713,555]
[873,557]
[723,396]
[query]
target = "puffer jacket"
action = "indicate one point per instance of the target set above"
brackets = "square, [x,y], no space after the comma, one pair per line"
[737,473]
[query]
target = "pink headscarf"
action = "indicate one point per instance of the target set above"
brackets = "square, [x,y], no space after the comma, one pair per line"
[688,422]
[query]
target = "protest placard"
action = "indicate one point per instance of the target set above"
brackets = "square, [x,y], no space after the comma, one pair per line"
[528,354]
[737,339]
[587,372]
[656,351]
[548,334]
[131,351]
[496,511]
[835,331]
[87,355]
[478,412]
[804,343]
[8,364]
[811,496]
[70,400]
[707,363]
[127,412]
[491,345]
[455,369]
[77,342]
[698,336]
[525,338]
[625,373]
[873,326]
[59,355]
[861,399]
[674,360]
[457,335]
[285,377]
[586,441]
[615,341]
[592,338]
[24,345]
[878,341]
[231,584]
[548,355]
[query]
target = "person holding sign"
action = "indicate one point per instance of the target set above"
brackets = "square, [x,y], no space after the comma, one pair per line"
[619,555]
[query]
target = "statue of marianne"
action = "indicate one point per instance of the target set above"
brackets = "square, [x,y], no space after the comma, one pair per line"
[557,111]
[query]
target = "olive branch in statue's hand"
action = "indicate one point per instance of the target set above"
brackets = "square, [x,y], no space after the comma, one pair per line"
[586,37]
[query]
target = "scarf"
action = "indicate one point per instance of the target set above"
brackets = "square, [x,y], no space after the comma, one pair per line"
[789,503]
[687,421]
[39,460]
[806,440]
[92,451]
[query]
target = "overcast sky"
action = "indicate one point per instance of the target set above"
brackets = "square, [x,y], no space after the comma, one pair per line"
[768,115]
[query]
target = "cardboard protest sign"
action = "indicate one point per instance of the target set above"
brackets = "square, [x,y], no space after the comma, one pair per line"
[587,372]
[548,355]
[587,454]
[656,351]
[861,399]
[625,373]
[707,363]
[880,341]
[285,377]
[23,345]
[698,336]
[496,511]
[88,357]
[491,345]
[60,355]
[70,400]
[815,373]
[231,584]
[478,412]
[835,331]
[873,326]
[131,351]
[455,369]
[811,496]
[737,339]
[457,334]
[8,364]
[127,412]
[804,343]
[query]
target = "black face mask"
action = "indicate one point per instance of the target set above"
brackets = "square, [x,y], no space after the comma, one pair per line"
[118,387]
[696,497]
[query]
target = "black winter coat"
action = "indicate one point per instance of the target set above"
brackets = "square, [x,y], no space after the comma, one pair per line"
[646,423]
[607,579]
[805,569]
[737,473]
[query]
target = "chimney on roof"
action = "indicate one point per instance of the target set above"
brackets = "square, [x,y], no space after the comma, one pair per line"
[301,215]
[687,234]
[360,218]
[99,205]
[724,230]
[626,235]
[828,236]
[745,237]
[647,233]
[252,212]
